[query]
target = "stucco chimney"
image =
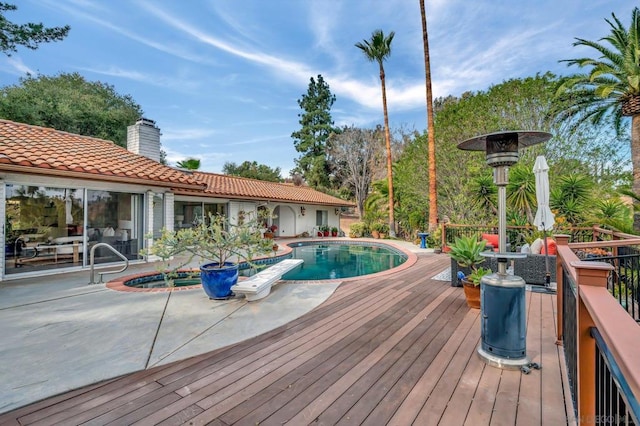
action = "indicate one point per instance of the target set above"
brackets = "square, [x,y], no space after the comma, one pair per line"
[144,138]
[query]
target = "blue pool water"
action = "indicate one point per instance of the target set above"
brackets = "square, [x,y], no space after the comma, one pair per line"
[333,261]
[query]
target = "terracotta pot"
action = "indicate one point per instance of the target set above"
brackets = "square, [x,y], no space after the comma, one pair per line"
[472,293]
[375,234]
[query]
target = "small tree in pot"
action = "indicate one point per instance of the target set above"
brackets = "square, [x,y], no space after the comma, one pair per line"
[466,252]
[219,243]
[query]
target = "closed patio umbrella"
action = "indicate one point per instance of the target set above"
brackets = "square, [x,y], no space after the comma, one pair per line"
[544,219]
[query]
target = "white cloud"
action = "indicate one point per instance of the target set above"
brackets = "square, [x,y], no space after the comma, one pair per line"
[283,67]
[17,67]
[187,134]
[182,84]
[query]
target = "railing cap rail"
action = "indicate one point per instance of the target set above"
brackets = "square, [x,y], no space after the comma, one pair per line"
[610,243]
[620,332]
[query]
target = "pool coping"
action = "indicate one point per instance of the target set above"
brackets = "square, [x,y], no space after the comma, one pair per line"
[118,284]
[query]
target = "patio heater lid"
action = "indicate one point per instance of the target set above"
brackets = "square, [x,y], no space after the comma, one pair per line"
[502,147]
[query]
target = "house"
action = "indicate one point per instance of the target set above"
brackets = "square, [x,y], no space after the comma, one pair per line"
[61,194]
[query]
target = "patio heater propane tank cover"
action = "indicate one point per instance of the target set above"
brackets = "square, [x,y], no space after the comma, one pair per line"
[503,328]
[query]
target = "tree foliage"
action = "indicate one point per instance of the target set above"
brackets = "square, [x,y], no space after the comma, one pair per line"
[189,164]
[72,104]
[29,35]
[613,79]
[571,195]
[411,184]
[514,104]
[356,152]
[466,191]
[610,90]
[252,170]
[312,138]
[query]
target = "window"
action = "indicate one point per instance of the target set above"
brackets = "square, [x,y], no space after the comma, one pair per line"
[114,218]
[44,228]
[322,217]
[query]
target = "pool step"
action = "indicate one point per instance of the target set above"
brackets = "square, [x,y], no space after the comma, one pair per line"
[259,285]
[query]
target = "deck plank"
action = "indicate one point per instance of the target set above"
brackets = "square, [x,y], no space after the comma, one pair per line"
[418,395]
[484,400]
[437,402]
[395,350]
[552,397]
[336,361]
[369,392]
[332,393]
[529,407]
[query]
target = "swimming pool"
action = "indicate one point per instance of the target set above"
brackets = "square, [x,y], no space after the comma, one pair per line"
[322,261]
[328,261]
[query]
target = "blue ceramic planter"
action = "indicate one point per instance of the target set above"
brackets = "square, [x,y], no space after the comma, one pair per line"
[217,281]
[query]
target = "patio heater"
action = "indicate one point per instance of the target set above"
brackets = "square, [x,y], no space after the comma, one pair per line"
[502,296]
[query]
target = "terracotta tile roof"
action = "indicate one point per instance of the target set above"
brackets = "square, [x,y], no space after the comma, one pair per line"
[39,150]
[243,188]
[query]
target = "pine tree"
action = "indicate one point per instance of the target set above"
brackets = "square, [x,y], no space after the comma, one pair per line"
[311,140]
[28,35]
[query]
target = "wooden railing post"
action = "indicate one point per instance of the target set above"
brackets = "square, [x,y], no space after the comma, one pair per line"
[588,274]
[561,240]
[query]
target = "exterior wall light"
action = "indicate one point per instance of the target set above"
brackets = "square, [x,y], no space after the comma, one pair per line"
[302,210]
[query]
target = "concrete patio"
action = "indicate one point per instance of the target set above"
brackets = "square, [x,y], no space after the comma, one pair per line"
[60,333]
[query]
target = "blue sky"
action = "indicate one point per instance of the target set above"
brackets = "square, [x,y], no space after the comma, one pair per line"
[221,78]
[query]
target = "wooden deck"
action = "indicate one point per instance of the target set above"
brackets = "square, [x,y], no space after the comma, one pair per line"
[396,350]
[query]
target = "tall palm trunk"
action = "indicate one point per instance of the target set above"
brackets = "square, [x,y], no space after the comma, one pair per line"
[431,139]
[387,137]
[635,163]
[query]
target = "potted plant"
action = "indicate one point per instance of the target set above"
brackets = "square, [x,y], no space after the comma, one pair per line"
[270,231]
[376,229]
[220,245]
[466,252]
[325,230]
[384,230]
[334,231]
[435,239]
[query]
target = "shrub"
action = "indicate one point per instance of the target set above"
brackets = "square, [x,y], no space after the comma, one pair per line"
[377,227]
[358,229]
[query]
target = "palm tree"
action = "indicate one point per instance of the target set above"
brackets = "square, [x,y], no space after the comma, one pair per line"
[611,90]
[189,164]
[433,191]
[484,194]
[377,49]
[521,191]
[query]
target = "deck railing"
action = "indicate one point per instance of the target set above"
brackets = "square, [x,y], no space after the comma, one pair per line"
[600,338]
[624,281]
[615,403]
[569,327]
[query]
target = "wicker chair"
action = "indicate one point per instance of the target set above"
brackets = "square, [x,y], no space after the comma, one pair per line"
[531,269]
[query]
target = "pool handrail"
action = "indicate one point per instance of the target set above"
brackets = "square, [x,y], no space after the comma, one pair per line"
[92,263]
